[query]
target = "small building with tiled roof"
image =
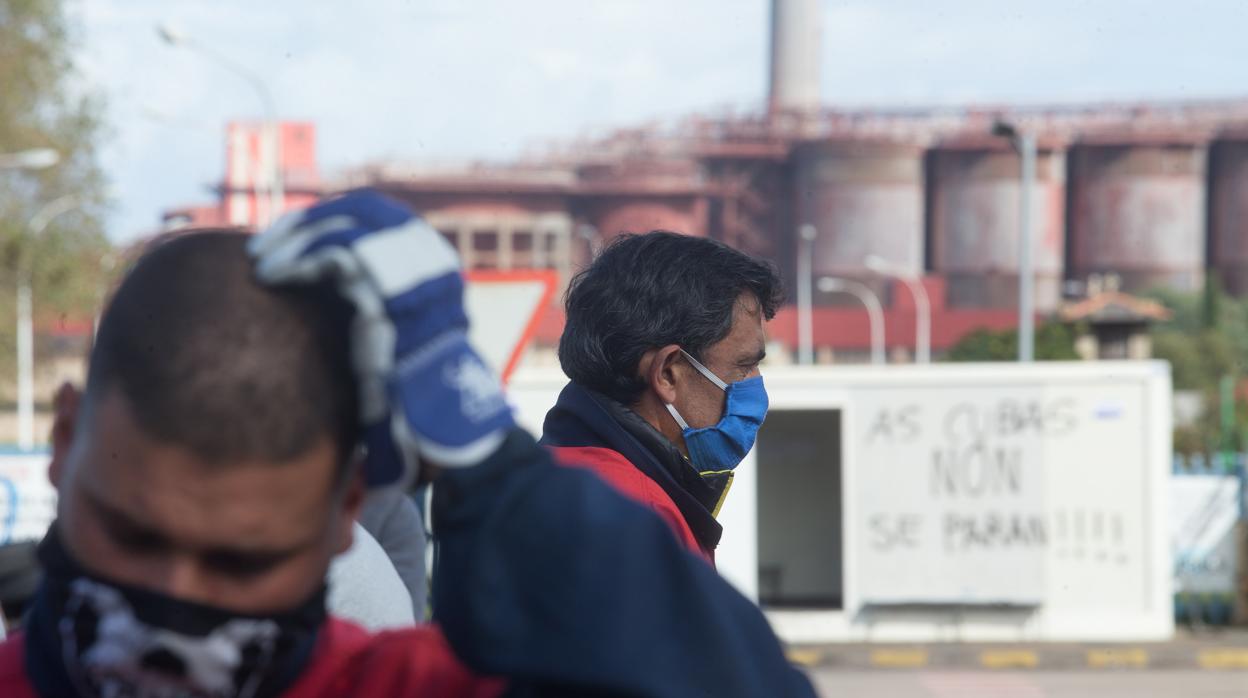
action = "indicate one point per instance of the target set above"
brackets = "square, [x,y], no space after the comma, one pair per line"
[1114,325]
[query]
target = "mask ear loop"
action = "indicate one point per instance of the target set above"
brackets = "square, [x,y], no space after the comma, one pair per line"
[705,371]
[680,421]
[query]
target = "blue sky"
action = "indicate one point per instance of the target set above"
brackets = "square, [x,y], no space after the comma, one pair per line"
[445,80]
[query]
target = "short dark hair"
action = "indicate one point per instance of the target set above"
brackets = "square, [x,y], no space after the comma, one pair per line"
[210,360]
[652,290]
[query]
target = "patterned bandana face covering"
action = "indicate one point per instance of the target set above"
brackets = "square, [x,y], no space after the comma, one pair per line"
[120,641]
[723,446]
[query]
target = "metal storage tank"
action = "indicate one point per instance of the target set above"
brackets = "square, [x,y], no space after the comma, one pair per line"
[864,198]
[973,218]
[1138,210]
[1228,214]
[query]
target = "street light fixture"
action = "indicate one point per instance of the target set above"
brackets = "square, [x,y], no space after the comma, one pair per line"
[25,324]
[1025,145]
[875,311]
[178,39]
[922,305]
[32,159]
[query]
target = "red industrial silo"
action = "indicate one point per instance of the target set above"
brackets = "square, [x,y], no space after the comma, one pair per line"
[974,193]
[864,198]
[1228,211]
[1138,210]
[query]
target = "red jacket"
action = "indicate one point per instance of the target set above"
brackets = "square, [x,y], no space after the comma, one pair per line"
[589,430]
[348,661]
[622,475]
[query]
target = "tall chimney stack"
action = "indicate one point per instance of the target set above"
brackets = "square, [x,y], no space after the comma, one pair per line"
[795,38]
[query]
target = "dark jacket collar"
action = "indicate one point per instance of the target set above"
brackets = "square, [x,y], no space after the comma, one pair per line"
[585,418]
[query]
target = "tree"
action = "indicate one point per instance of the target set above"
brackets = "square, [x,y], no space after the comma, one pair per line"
[1054,342]
[1198,360]
[1205,340]
[43,104]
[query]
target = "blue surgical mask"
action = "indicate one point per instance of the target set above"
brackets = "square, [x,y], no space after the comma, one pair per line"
[722,447]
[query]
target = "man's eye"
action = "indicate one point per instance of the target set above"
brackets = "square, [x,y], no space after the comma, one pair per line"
[138,542]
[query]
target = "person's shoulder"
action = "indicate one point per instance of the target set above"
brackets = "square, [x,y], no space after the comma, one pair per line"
[365,587]
[13,680]
[608,464]
[350,661]
[617,471]
[623,477]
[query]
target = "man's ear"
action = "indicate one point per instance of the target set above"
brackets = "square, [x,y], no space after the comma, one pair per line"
[65,407]
[658,369]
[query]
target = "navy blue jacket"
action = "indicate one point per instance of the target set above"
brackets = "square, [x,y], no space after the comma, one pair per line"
[549,577]
[583,418]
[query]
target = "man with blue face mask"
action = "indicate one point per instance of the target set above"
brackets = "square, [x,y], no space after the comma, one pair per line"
[663,343]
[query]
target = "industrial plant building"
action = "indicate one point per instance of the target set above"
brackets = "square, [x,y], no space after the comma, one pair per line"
[1150,194]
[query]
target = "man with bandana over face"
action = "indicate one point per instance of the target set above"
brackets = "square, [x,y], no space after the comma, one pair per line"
[243,393]
[663,342]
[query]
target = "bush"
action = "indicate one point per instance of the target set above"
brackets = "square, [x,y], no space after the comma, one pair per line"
[1054,342]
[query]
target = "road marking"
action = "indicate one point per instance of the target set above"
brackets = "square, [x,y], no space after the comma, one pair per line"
[804,656]
[1233,658]
[1009,659]
[1118,658]
[899,659]
[978,684]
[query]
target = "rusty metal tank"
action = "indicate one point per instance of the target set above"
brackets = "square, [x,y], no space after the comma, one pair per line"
[864,198]
[974,193]
[1228,212]
[1138,210]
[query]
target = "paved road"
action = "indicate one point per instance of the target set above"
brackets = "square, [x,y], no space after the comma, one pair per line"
[1036,684]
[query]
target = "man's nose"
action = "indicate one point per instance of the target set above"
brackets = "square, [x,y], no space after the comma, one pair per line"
[180,577]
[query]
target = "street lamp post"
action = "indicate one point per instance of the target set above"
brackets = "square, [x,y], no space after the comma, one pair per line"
[31,159]
[272,133]
[922,305]
[25,325]
[1025,145]
[805,282]
[875,311]
[589,234]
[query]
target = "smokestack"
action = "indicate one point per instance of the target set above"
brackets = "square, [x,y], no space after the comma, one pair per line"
[795,38]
